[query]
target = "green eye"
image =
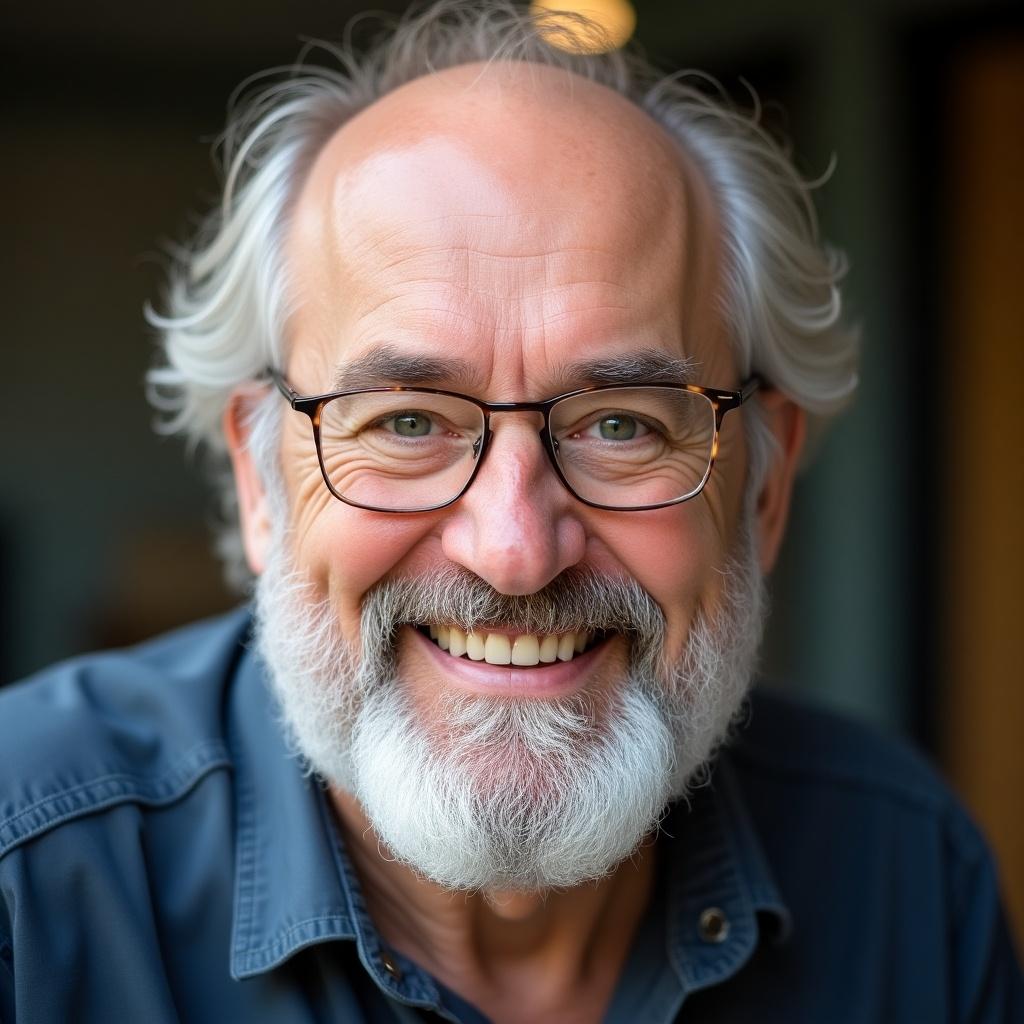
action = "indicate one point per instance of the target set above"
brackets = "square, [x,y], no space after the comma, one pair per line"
[617,428]
[412,424]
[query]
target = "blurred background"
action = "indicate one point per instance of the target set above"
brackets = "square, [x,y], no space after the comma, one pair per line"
[897,599]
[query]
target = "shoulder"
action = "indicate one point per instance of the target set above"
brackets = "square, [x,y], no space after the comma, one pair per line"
[782,735]
[787,743]
[871,851]
[141,724]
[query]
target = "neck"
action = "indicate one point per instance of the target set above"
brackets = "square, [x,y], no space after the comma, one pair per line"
[515,955]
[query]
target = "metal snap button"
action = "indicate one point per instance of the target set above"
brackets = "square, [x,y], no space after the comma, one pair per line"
[713,925]
[390,966]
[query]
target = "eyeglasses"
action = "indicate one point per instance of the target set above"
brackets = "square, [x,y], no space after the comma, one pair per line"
[621,447]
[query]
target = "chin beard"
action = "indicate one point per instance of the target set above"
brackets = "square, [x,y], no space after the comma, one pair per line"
[499,793]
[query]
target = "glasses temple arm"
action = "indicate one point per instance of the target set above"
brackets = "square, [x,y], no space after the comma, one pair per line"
[752,384]
[282,385]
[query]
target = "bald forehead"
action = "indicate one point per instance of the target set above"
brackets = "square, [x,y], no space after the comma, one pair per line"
[547,124]
[536,139]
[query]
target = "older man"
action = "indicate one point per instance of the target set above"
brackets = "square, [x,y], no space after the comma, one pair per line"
[512,356]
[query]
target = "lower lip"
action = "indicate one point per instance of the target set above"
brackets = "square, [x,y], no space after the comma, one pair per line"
[560,679]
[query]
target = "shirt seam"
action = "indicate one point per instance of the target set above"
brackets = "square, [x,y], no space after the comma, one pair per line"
[245,847]
[122,787]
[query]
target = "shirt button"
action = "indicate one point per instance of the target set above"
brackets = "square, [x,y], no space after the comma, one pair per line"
[713,925]
[390,966]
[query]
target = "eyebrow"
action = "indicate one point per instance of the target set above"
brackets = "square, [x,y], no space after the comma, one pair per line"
[385,367]
[644,366]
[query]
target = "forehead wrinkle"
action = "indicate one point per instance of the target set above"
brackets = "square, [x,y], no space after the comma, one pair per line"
[533,240]
[548,255]
[549,282]
[549,288]
[543,313]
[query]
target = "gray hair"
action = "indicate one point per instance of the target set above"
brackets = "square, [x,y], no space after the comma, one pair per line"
[227,303]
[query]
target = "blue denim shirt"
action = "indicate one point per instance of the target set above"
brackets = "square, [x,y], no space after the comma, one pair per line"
[163,858]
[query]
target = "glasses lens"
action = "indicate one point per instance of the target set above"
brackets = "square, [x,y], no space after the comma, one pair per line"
[399,450]
[631,447]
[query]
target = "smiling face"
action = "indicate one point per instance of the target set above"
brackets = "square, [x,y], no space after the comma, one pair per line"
[512,230]
[511,234]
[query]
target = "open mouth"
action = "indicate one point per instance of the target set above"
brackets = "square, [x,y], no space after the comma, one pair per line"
[525,650]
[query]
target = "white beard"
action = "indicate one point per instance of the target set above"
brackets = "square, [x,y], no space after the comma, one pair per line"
[504,793]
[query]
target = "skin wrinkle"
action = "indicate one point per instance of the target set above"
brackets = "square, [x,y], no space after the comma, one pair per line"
[485,254]
[538,322]
[511,277]
[521,293]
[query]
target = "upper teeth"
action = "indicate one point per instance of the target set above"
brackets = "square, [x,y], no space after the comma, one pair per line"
[501,649]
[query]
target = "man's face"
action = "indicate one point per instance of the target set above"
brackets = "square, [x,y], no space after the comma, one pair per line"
[465,221]
[513,229]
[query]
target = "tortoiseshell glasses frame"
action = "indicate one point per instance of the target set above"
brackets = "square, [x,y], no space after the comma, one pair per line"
[722,401]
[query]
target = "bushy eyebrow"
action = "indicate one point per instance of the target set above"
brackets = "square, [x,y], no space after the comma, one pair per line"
[644,366]
[385,366]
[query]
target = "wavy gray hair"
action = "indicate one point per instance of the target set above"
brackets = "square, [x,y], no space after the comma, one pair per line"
[227,303]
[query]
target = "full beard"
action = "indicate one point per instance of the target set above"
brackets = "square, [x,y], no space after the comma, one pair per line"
[499,793]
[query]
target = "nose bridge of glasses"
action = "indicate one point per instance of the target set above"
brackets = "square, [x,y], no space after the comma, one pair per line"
[524,413]
[510,426]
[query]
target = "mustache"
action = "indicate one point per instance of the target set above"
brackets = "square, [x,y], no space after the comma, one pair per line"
[577,599]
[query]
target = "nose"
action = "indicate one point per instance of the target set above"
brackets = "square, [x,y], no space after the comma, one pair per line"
[516,527]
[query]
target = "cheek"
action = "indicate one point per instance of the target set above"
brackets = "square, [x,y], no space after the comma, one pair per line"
[676,555]
[347,551]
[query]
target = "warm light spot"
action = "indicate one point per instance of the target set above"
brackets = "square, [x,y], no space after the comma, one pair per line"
[614,19]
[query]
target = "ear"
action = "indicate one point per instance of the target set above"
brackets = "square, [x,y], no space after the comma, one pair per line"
[788,425]
[253,508]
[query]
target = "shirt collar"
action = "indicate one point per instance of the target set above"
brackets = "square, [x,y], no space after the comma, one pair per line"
[287,889]
[722,897]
